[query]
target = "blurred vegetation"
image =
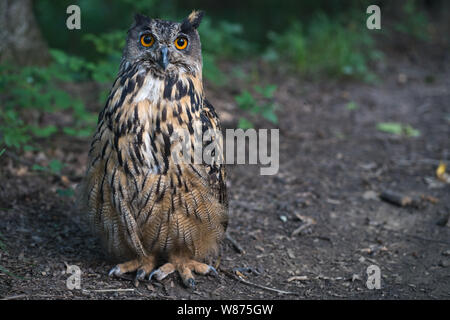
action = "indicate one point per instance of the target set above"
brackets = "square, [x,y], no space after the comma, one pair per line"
[326,46]
[311,38]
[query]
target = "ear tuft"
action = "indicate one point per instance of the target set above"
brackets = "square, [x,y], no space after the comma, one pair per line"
[192,21]
[141,19]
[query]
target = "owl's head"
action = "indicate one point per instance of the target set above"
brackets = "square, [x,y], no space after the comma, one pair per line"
[164,46]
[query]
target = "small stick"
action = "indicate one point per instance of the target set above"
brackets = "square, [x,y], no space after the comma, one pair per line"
[396,198]
[236,245]
[111,290]
[308,222]
[19,296]
[229,274]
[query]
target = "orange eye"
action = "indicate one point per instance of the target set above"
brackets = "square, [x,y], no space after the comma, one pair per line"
[147,40]
[181,43]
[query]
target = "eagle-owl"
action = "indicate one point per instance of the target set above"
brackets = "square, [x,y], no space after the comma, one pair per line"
[149,210]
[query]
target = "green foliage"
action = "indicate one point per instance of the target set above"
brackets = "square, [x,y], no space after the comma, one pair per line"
[31,92]
[413,21]
[260,104]
[219,41]
[398,129]
[326,46]
[65,192]
[244,124]
[211,71]
[54,167]
[223,39]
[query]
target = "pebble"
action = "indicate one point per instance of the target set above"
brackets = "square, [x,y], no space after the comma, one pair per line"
[444,263]
[370,195]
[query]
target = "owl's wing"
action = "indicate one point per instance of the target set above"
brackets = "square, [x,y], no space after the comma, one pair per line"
[216,169]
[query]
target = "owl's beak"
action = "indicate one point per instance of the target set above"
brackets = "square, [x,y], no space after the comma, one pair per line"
[164,59]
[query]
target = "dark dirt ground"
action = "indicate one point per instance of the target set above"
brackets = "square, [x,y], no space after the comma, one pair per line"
[333,162]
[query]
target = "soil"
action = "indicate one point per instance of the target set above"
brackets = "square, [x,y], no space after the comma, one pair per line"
[334,163]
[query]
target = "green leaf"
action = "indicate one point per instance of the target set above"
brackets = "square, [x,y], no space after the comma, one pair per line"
[77,132]
[351,106]
[398,129]
[37,167]
[267,91]
[270,115]
[44,132]
[65,192]
[245,100]
[30,148]
[390,127]
[245,124]
[410,131]
[2,151]
[55,166]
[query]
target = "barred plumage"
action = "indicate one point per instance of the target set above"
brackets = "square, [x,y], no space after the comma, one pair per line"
[143,204]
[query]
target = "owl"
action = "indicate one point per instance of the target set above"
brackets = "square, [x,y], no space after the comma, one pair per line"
[153,214]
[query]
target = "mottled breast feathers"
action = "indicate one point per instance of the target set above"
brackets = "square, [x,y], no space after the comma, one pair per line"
[138,198]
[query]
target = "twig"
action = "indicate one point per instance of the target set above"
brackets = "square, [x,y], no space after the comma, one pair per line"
[232,276]
[110,290]
[19,296]
[235,244]
[396,198]
[307,223]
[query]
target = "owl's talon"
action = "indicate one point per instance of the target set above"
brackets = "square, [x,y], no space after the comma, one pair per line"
[140,274]
[150,276]
[115,271]
[162,271]
[159,275]
[190,283]
[212,271]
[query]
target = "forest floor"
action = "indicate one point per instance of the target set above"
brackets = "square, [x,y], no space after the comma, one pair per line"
[334,163]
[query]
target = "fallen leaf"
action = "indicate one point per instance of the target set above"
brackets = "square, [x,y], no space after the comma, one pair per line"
[441,173]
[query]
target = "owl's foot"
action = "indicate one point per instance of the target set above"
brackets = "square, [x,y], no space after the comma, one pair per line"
[184,267]
[142,266]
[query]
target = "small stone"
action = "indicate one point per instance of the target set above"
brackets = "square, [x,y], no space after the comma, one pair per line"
[444,263]
[283,218]
[370,195]
[402,78]
[290,254]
